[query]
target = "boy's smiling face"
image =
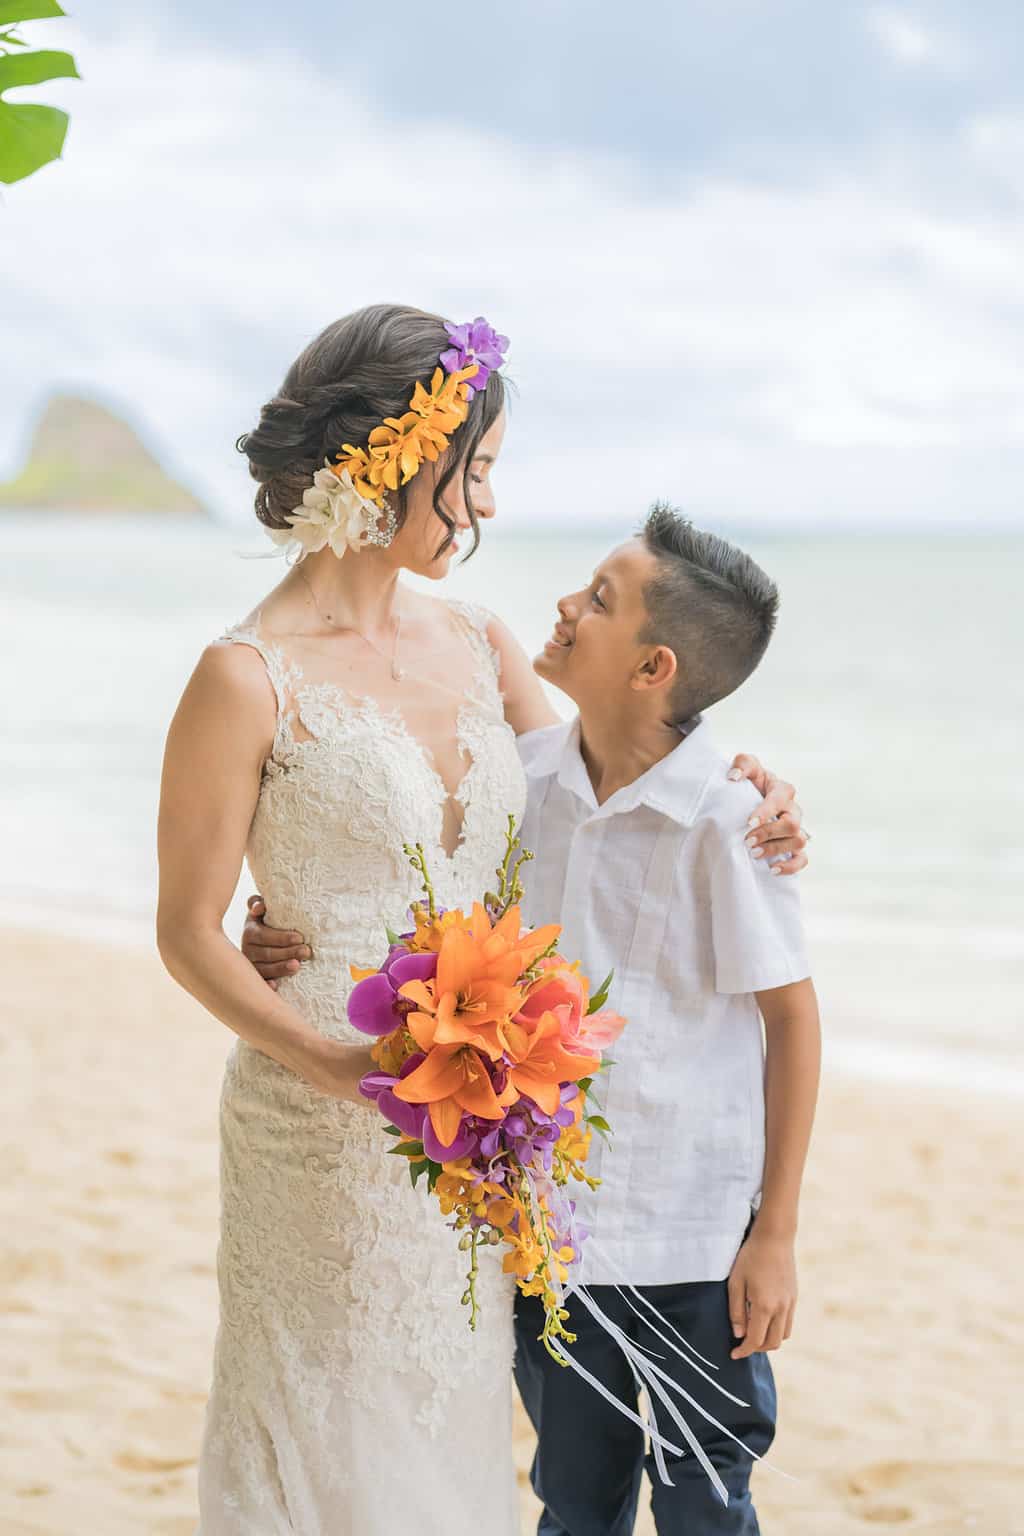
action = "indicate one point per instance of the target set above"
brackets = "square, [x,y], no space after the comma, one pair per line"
[595,654]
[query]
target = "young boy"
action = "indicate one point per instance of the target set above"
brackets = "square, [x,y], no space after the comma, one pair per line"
[632,820]
[633,824]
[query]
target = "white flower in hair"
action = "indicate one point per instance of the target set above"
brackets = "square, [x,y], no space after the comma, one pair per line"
[332,512]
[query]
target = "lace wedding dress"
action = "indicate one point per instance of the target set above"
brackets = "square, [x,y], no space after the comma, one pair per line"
[349,1396]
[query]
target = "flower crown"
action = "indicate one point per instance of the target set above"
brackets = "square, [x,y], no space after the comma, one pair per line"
[343,506]
[396,451]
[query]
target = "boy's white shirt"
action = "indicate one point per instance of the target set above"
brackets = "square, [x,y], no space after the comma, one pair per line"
[658,885]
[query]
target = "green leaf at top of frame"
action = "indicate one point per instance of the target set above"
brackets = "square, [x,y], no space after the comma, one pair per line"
[28,10]
[31,136]
[33,68]
[599,1124]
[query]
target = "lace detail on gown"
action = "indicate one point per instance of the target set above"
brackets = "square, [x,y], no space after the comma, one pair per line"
[348,1390]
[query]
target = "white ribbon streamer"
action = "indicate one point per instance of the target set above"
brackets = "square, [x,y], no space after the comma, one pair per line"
[649,1377]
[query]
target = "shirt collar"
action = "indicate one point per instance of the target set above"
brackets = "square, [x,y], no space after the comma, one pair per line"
[674,786]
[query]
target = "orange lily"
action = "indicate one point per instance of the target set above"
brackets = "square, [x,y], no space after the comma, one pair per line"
[541,1064]
[465,1003]
[505,951]
[453,1079]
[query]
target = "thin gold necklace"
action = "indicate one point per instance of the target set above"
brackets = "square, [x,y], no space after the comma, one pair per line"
[396,671]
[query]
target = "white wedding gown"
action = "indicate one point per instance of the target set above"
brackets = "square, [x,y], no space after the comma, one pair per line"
[350,1397]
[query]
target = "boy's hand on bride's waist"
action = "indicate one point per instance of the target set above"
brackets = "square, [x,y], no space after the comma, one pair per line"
[332,1066]
[275,952]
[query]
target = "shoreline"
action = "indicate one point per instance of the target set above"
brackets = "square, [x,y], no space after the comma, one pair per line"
[845,1056]
[897,1390]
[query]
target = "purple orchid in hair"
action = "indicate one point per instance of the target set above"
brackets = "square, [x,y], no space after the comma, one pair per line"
[474,342]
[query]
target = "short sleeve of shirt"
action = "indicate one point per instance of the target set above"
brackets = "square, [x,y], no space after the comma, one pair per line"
[756,926]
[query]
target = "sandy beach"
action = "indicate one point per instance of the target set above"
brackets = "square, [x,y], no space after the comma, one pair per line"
[899,1388]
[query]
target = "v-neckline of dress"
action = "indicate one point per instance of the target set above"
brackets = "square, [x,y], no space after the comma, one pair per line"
[343,702]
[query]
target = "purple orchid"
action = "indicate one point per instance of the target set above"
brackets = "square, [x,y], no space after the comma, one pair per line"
[474,342]
[379,1087]
[414,1119]
[374,1006]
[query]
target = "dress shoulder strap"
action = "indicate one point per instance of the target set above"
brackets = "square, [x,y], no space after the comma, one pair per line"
[473,621]
[285,676]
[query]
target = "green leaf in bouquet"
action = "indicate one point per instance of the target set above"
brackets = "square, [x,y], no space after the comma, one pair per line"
[417,1170]
[31,136]
[392,1130]
[407,1149]
[599,1124]
[393,937]
[584,1084]
[600,997]
[434,1172]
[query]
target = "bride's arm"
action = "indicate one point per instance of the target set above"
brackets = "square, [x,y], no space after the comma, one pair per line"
[527,706]
[217,744]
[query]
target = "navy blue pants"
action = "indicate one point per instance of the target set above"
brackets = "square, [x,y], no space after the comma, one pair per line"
[590,1459]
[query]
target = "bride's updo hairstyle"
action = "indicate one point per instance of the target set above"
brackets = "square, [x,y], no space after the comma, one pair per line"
[358,371]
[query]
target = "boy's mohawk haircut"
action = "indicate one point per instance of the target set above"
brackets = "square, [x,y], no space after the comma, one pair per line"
[710,603]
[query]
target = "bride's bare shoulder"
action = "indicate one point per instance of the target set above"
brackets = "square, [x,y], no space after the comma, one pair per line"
[232,673]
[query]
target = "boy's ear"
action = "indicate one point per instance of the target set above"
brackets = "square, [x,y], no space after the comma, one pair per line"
[657,670]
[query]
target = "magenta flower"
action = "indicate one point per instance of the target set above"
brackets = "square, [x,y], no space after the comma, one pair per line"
[374,1004]
[414,1119]
[379,1087]
[474,342]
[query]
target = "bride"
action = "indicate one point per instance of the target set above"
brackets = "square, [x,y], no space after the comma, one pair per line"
[347,716]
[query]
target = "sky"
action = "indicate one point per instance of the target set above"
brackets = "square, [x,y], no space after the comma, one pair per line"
[763,258]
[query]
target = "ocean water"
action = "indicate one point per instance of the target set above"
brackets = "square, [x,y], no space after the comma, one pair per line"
[891,696]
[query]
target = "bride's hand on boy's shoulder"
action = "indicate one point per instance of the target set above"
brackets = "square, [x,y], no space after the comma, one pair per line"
[776,830]
[275,952]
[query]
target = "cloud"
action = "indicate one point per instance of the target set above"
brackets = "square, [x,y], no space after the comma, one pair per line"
[902,36]
[817,348]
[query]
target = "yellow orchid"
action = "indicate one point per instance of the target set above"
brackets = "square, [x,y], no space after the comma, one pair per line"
[430,931]
[397,449]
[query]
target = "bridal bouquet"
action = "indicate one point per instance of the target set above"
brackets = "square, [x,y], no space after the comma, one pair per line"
[487,1041]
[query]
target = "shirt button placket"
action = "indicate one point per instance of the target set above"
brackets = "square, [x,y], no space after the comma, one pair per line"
[583,860]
